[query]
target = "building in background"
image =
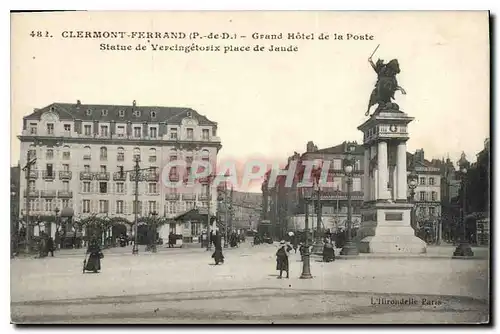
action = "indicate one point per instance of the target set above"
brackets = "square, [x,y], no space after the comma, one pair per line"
[15,174]
[82,150]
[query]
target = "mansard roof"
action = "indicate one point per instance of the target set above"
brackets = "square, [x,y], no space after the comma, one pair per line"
[94,112]
[341,149]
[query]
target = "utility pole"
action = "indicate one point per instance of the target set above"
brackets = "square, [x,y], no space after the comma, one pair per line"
[27,169]
[136,171]
[225,216]
[209,183]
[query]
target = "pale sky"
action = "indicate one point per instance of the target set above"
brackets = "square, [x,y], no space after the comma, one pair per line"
[268,104]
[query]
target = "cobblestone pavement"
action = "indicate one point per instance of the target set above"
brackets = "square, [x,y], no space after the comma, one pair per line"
[187,287]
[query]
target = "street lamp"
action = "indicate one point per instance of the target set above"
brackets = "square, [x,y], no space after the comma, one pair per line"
[306,257]
[463,249]
[318,242]
[349,248]
[412,184]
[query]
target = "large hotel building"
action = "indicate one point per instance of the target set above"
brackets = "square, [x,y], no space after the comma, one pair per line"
[81,149]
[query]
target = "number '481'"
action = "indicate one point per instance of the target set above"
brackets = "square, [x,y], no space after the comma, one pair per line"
[39,33]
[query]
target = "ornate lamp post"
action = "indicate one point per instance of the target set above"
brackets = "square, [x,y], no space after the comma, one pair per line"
[463,249]
[412,184]
[306,263]
[350,248]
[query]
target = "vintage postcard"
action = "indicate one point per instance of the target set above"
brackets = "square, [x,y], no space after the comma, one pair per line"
[250,167]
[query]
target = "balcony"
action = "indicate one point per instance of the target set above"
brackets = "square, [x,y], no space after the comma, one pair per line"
[65,175]
[33,174]
[65,194]
[31,193]
[202,197]
[102,176]
[86,176]
[133,177]
[117,176]
[152,177]
[48,193]
[170,197]
[87,157]
[48,176]
[189,197]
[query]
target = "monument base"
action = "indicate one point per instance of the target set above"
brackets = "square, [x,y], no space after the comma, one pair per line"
[386,229]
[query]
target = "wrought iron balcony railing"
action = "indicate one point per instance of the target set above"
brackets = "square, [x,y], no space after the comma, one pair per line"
[170,197]
[65,175]
[64,194]
[202,197]
[102,176]
[117,176]
[33,174]
[32,192]
[86,176]
[48,193]
[48,176]
[189,197]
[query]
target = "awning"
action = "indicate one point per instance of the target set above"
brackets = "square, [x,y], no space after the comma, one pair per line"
[193,215]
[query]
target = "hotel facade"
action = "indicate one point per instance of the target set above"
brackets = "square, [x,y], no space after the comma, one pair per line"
[85,160]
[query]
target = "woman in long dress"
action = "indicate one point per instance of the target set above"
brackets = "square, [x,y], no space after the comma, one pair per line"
[282,259]
[93,262]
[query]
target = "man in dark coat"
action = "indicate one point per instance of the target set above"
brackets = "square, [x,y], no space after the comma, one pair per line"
[217,255]
[282,259]
[328,251]
[50,246]
[93,263]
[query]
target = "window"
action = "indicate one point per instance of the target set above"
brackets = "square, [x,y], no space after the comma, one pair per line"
[173,133]
[137,207]
[152,188]
[104,112]
[432,211]
[189,114]
[89,112]
[189,205]
[152,132]
[103,206]
[173,158]
[67,128]
[357,164]
[171,228]
[121,113]
[119,206]
[205,155]
[119,188]
[422,180]
[120,131]
[31,185]
[205,134]
[137,113]
[153,114]
[86,206]
[65,203]
[66,185]
[65,167]
[137,153]
[104,130]
[86,153]
[137,131]
[33,128]
[121,154]
[50,170]
[66,153]
[431,181]
[103,169]
[121,172]
[87,130]
[86,187]
[48,205]
[195,229]
[152,155]
[337,183]
[189,133]
[50,128]
[422,196]
[356,184]
[103,187]
[86,168]
[50,154]
[337,164]
[152,206]
[104,153]
[434,196]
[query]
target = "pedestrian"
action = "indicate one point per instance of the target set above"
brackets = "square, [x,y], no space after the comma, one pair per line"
[328,251]
[50,246]
[93,263]
[282,259]
[217,255]
[42,246]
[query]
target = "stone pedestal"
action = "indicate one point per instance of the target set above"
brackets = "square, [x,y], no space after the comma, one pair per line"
[386,213]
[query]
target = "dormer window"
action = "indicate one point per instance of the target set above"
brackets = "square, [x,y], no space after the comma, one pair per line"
[189,114]
[121,113]
[153,114]
[104,112]
[137,113]
[89,112]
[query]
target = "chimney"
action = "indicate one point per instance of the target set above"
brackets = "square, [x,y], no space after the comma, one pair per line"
[419,155]
[134,103]
[310,146]
[78,103]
